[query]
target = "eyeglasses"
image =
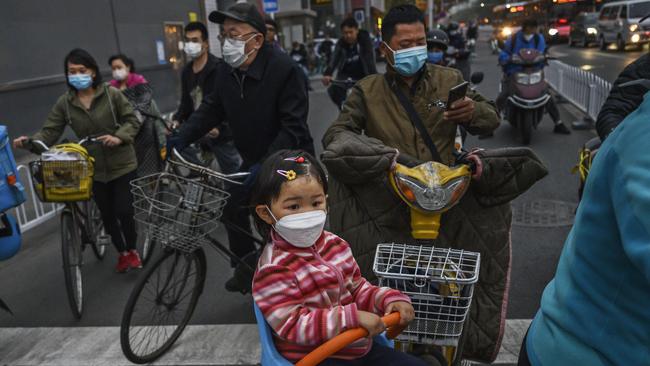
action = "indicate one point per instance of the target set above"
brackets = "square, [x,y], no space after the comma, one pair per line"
[222,38]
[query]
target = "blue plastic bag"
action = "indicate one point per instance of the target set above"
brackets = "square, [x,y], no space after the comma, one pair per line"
[12,192]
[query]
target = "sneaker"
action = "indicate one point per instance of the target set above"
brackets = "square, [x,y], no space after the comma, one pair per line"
[561,129]
[134,259]
[122,263]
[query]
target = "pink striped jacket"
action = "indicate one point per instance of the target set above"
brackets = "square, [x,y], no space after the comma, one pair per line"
[309,295]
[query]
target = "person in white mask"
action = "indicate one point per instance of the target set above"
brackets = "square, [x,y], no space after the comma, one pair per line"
[261,93]
[198,79]
[307,283]
[123,71]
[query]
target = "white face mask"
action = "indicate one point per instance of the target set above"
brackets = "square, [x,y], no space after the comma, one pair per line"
[120,74]
[193,49]
[301,230]
[234,51]
[528,37]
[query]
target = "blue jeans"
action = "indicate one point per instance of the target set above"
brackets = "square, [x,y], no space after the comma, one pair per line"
[378,355]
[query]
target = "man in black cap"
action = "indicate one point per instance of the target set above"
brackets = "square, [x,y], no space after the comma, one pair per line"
[261,92]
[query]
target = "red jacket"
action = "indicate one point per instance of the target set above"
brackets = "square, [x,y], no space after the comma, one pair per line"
[309,295]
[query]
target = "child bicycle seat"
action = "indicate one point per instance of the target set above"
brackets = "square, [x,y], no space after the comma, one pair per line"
[271,356]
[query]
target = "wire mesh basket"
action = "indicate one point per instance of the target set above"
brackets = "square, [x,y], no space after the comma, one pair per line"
[440,283]
[62,180]
[177,212]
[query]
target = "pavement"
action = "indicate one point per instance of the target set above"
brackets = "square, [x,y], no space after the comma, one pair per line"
[42,330]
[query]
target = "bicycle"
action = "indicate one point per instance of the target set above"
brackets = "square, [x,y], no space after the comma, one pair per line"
[179,213]
[70,182]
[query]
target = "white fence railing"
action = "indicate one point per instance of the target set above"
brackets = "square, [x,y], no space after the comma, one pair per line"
[33,212]
[585,90]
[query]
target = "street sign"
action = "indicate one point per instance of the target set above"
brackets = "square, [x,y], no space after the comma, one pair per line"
[270,6]
[359,16]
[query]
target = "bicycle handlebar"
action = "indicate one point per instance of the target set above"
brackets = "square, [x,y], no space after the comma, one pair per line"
[346,338]
[44,146]
[206,171]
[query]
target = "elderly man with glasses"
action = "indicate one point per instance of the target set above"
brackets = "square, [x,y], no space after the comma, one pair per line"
[262,94]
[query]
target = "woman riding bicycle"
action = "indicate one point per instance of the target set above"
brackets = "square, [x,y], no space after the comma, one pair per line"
[92,108]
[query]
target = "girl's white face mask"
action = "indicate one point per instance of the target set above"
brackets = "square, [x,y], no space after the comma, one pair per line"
[301,230]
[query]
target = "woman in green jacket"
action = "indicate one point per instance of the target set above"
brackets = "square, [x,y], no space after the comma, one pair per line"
[92,108]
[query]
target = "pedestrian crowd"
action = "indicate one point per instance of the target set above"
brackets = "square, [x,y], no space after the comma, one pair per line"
[247,112]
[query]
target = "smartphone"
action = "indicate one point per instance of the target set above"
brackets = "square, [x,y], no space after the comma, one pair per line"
[457,93]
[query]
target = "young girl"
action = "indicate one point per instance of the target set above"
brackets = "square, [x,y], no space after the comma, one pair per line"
[307,283]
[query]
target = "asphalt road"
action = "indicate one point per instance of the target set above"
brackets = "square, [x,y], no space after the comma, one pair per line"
[606,64]
[32,282]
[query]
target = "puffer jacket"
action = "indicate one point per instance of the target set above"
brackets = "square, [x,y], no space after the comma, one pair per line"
[365,211]
[622,101]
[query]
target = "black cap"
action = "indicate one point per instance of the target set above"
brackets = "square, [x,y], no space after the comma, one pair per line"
[243,12]
[438,38]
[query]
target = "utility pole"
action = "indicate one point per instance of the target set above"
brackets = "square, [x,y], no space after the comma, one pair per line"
[430,9]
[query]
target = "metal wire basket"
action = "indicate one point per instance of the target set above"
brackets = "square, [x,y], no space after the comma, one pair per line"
[440,283]
[63,180]
[175,211]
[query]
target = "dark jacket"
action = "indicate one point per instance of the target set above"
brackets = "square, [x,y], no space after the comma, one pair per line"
[266,107]
[207,82]
[622,102]
[359,149]
[366,53]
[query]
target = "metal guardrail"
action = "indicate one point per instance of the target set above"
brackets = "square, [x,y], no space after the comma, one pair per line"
[583,89]
[32,212]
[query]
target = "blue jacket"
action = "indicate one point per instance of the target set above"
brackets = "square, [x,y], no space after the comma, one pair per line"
[596,311]
[520,42]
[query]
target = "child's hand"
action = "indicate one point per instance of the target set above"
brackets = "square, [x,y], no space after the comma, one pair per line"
[405,310]
[372,323]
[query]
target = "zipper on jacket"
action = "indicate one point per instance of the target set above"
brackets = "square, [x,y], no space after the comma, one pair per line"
[339,275]
[241,84]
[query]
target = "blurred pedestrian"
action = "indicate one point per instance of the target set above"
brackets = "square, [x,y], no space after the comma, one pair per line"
[151,140]
[325,49]
[437,44]
[123,71]
[272,33]
[198,79]
[299,54]
[93,108]
[353,58]
[262,93]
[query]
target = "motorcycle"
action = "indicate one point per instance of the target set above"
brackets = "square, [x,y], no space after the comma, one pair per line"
[529,93]
[458,58]
[471,45]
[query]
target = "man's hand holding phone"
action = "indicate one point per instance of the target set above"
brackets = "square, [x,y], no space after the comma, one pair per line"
[460,112]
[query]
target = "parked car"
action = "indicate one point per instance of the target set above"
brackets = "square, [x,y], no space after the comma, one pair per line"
[618,23]
[584,30]
[558,31]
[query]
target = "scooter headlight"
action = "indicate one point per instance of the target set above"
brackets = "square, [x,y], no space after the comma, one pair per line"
[535,77]
[432,187]
[522,78]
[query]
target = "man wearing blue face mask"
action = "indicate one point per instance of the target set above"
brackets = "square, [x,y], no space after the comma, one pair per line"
[385,113]
[437,44]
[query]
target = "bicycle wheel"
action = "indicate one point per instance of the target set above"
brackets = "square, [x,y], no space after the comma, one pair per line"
[161,304]
[72,262]
[96,230]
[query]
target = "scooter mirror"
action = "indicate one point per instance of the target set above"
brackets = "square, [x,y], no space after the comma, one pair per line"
[476,78]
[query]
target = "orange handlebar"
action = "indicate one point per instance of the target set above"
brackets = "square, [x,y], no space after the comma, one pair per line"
[346,338]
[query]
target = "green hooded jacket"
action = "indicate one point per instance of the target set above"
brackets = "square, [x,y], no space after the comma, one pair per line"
[110,114]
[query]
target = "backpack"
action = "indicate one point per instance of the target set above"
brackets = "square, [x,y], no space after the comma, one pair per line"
[12,192]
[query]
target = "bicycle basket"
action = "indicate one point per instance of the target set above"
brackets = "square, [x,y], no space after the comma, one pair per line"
[175,211]
[63,174]
[440,283]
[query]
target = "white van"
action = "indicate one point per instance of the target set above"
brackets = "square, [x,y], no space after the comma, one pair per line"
[618,23]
